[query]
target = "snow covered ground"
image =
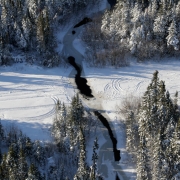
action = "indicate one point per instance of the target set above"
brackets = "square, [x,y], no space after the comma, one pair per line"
[28,94]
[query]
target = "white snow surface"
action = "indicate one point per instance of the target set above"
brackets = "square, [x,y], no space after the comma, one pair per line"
[28,95]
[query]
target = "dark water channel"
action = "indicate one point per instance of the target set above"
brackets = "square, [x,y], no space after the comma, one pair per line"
[84,21]
[113,139]
[112,3]
[86,91]
[80,81]
[117,177]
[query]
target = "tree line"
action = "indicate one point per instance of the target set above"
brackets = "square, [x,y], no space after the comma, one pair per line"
[142,29]
[29,26]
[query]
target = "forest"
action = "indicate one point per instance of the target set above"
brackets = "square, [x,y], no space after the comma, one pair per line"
[140,29]
[28,27]
[63,158]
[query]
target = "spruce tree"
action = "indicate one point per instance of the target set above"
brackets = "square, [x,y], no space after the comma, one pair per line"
[22,166]
[12,163]
[172,39]
[33,173]
[4,172]
[83,169]
[143,169]
[93,173]
[2,136]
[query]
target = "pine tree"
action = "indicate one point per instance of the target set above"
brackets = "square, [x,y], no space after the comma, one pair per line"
[22,166]
[11,163]
[83,170]
[41,34]
[4,172]
[129,132]
[39,153]
[75,119]
[172,39]
[1,133]
[143,169]
[32,6]
[33,173]
[159,29]
[28,147]
[157,158]
[157,121]
[93,173]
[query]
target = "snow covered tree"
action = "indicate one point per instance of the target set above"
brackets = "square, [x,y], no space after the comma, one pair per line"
[143,170]
[1,133]
[22,166]
[41,34]
[157,158]
[105,22]
[83,169]
[11,163]
[4,172]
[39,153]
[126,21]
[93,173]
[27,31]
[131,132]
[75,119]
[172,36]
[160,27]
[157,121]
[33,173]
[28,147]
[32,8]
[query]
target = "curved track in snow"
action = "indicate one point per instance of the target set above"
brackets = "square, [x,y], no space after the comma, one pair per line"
[26,97]
[117,88]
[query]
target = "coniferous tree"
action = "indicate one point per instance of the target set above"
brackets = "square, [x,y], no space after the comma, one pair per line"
[41,34]
[11,163]
[4,171]
[172,36]
[22,166]
[93,173]
[157,121]
[1,133]
[33,173]
[39,153]
[129,131]
[143,169]
[83,169]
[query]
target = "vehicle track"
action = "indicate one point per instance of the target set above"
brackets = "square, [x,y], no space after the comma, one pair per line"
[46,115]
[114,90]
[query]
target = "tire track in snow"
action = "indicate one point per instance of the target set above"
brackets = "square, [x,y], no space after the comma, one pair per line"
[24,108]
[114,90]
[137,87]
[46,115]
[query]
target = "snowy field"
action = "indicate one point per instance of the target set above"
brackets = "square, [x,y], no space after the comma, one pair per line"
[28,94]
[113,85]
